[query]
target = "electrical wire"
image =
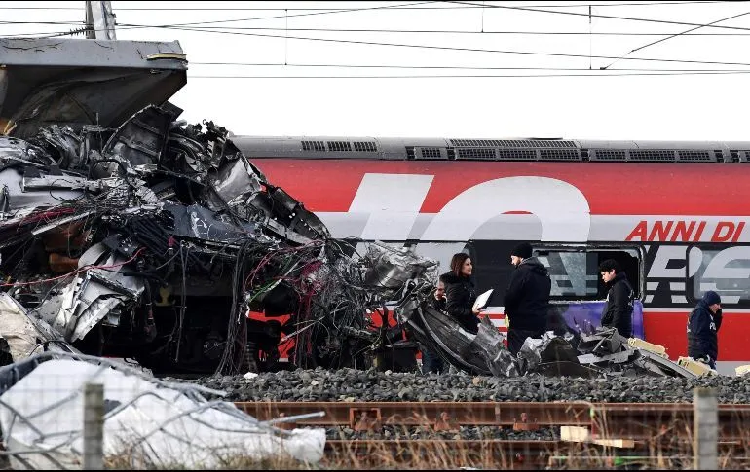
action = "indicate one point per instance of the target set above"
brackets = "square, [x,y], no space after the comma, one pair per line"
[667,38]
[75,272]
[228,20]
[604,17]
[469,32]
[438,67]
[556,5]
[327,12]
[593,75]
[457,49]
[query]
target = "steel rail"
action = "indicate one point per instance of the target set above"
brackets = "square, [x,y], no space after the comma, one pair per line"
[631,420]
[514,454]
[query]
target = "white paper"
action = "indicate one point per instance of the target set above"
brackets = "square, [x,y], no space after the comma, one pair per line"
[483,299]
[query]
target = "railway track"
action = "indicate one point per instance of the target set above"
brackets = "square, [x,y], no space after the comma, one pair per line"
[637,421]
[523,454]
[618,434]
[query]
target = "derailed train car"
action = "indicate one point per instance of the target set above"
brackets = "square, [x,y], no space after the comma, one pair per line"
[127,233]
[673,213]
[155,244]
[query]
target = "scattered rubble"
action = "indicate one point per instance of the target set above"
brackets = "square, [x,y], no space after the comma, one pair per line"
[563,353]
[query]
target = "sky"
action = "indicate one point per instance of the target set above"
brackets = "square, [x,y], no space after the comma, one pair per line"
[266,68]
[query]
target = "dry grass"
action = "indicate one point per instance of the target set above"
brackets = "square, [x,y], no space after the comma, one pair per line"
[448,454]
[667,447]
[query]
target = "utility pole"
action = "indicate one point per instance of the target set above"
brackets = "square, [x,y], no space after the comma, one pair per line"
[100,20]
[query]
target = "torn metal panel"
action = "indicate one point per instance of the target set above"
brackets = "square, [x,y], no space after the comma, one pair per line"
[666,367]
[90,297]
[547,351]
[142,139]
[617,357]
[480,354]
[603,341]
[18,198]
[232,182]
[391,267]
[80,82]
[195,221]
[17,329]
[284,216]
[489,345]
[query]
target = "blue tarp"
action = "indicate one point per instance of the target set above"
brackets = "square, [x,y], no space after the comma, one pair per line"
[588,315]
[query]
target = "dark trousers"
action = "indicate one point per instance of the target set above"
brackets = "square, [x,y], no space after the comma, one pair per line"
[516,338]
[432,363]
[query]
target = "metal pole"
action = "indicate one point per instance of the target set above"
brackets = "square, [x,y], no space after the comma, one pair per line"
[706,429]
[101,19]
[93,426]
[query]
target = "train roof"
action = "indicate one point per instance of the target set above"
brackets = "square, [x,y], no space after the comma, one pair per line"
[502,149]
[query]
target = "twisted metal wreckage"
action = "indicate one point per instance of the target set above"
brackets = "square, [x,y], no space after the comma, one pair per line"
[152,241]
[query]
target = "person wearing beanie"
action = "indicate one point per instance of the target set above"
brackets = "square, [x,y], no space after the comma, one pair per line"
[526,298]
[703,329]
[618,310]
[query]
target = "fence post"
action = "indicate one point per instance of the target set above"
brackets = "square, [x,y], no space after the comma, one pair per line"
[93,426]
[705,429]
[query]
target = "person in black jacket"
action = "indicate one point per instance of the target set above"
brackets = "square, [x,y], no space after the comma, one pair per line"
[618,311]
[703,329]
[526,298]
[459,293]
[432,363]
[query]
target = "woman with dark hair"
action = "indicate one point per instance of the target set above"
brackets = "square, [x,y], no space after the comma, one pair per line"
[459,293]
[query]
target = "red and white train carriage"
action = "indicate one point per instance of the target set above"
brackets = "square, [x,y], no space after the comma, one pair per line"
[674,214]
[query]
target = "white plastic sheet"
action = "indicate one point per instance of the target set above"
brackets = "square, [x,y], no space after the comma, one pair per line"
[152,422]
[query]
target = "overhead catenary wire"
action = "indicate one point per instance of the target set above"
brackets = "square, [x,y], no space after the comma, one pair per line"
[729,34]
[518,76]
[443,67]
[446,7]
[411,5]
[459,49]
[659,41]
[229,20]
[605,17]
[472,32]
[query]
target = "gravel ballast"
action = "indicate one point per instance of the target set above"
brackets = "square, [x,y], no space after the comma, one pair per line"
[373,386]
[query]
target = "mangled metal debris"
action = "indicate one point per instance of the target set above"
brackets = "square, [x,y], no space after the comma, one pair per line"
[153,241]
[603,352]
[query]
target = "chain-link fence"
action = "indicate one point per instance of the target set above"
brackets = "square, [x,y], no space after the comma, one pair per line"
[61,411]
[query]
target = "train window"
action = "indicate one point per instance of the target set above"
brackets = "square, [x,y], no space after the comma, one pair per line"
[575,273]
[725,271]
[574,270]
